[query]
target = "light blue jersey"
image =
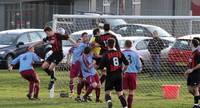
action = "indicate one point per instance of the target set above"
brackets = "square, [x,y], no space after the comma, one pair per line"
[135,65]
[25,61]
[85,61]
[77,52]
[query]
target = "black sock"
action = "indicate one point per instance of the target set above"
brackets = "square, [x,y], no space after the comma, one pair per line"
[123,101]
[103,78]
[107,97]
[196,99]
[53,75]
[47,71]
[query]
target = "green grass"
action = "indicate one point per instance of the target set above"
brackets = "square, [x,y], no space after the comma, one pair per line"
[148,95]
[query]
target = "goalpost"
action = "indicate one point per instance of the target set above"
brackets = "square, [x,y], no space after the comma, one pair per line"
[148,84]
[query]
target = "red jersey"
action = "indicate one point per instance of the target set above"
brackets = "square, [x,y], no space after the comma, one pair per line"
[194,59]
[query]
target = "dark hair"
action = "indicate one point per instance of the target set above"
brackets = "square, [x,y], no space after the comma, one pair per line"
[128,43]
[195,43]
[83,34]
[106,27]
[48,29]
[197,38]
[111,42]
[87,50]
[95,31]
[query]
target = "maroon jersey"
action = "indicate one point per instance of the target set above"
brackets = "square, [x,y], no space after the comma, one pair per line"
[113,61]
[56,42]
[194,59]
[104,39]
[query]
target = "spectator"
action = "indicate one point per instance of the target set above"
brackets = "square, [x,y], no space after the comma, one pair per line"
[155,47]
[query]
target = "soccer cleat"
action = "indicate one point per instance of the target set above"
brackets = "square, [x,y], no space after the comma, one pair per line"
[85,99]
[78,99]
[196,106]
[89,98]
[51,83]
[29,97]
[109,104]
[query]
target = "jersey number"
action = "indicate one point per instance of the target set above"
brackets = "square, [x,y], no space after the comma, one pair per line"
[129,59]
[115,61]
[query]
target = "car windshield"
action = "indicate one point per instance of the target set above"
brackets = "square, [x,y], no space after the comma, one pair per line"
[7,39]
[182,44]
[160,31]
[115,22]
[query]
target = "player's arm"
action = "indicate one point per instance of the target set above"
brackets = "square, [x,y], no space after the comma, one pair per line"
[36,58]
[13,62]
[197,58]
[67,37]
[69,56]
[117,44]
[92,64]
[138,63]
[102,62]
[125,62]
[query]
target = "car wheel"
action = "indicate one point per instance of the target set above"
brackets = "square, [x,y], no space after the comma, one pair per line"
[9,58]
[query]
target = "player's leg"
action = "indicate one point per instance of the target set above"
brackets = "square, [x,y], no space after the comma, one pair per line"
[51,69]
[118,89]
[80,86]
[196,96]
[36,86]
[92,85]
[27,76]
[98,88]
[108,98]
[191,90]
[132,87]
[103,76]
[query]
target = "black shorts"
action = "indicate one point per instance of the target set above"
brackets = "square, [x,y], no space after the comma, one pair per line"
[193,79]
[113,82]
[55,58]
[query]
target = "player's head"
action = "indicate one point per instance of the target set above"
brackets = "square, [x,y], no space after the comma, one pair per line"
[194,44]
[48,31]
[96,32]
[85,37]
[197,38]
[106,27]
[61,31]
[155,34]
[87,50]
[31,48]
[111,43]
[128,44]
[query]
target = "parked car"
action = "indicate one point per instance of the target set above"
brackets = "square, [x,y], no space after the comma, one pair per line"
[15,42]
[140,45]
[180,52]
[145,30]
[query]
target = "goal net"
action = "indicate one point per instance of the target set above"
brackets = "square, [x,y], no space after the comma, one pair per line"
[160,73]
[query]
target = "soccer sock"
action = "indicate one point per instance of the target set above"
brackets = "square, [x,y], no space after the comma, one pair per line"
[31,88]
[47,71]
[80,85]
[98,90]
[36,90]
[53,76]
[107,98]
[89,90]
[130,100]
[102,79]
[123,101]
[71,86]
[196,99]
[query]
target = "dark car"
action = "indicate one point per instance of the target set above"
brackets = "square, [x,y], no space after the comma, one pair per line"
[15,42]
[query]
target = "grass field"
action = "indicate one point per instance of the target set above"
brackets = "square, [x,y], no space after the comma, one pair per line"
[149,95]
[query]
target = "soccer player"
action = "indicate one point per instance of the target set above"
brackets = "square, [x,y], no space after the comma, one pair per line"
[104,47]
[130,75]
[75,67]
[89,73]
[55,39]
[113,60]
[193,73]
[27,71]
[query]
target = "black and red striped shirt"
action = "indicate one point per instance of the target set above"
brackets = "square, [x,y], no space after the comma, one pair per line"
[194,59]
[56,41]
